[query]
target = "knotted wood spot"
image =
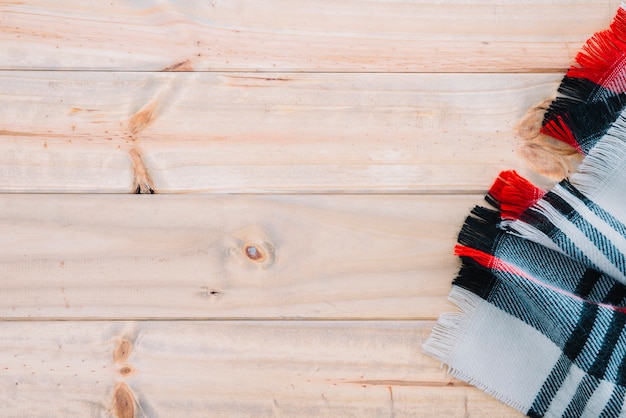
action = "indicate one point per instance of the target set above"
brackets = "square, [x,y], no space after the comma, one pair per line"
[122,352]
[123,401]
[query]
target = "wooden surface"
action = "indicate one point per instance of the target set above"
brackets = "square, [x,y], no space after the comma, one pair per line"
[312,163]
[249,132]
[201,256]
[311,36]
[226,368]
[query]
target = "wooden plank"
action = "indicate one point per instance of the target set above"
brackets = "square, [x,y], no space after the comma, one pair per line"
[202,256]
[227,369]
[347,35]
[245,132]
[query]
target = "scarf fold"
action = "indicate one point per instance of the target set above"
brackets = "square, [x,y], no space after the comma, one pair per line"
[541,293]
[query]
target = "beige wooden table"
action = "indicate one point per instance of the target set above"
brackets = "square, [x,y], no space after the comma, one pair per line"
[312,163]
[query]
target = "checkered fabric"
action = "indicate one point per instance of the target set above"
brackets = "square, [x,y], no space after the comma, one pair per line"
[541,293]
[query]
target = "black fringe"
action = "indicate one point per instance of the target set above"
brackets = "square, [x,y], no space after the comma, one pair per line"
[575,91]
[475,278]
[493,202]
[480,230]
[577,95]
[588,122]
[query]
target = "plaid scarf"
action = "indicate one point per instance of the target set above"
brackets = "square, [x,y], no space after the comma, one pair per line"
[541,293]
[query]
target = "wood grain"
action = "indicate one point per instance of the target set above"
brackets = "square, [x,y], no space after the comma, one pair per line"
[314,162]
[245,132]
[338,36]
[225,369]
[199,256]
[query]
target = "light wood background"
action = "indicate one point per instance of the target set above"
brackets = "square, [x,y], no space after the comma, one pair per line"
[313,162]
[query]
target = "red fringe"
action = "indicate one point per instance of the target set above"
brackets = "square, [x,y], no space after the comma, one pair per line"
[482,258]
[603,57]
[557,128]
[487,260]
[514,194]
[619,24]
[601,61]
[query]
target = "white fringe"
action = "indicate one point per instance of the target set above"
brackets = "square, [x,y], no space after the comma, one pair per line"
[599,168]
[448,332]
[488,390]
[450,327]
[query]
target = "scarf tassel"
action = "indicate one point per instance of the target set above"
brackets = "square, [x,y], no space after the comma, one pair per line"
[597,76]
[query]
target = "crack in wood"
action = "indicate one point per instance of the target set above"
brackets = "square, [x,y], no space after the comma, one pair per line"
[142,183]
[145,117]
[137,123]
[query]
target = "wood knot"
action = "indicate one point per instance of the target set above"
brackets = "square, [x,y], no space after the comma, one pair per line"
[126,370]
[259,252]
[122,352]
[142,119]
[123,401]
[253,253]
[251,246]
